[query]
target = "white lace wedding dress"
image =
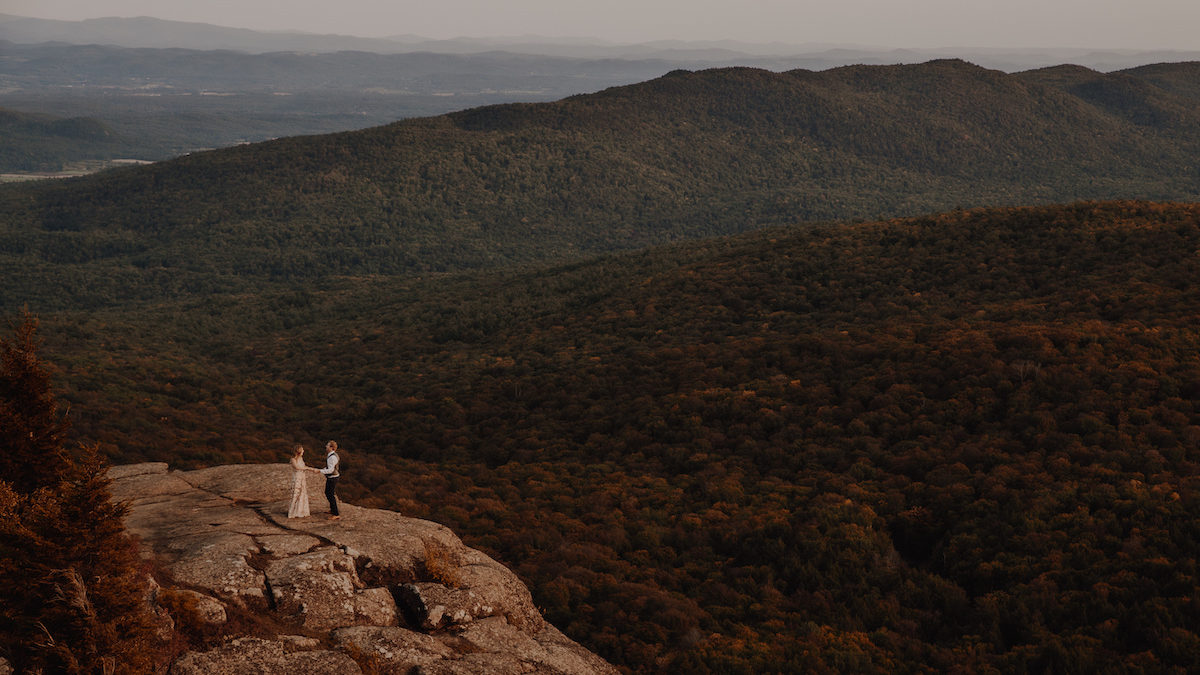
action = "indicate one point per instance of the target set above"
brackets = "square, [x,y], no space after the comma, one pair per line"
[299,506]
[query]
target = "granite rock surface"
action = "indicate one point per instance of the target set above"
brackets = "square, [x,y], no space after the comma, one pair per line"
[373,591]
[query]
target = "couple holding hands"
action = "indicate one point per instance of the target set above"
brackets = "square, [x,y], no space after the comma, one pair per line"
[299,506]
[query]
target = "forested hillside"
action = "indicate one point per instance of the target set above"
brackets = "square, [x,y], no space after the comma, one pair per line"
[688,155]
[31,142]
[965,442]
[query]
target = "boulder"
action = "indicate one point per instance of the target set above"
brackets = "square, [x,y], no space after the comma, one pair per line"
[161,620]
[322,588]
[255,656]
[432,606]
[547,648]
[204,609]
[399,649]
[220,564]
[418,550]
[493,664]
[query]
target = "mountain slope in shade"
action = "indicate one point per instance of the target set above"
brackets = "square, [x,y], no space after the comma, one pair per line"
[32,142]
[1182,79]
[688,155]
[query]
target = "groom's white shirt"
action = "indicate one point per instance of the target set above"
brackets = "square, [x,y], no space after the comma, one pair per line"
[331,462]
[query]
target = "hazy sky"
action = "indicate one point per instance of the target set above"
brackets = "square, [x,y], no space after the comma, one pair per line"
[1137,24]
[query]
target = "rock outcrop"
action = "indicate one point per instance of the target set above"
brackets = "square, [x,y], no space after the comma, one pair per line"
[372,592]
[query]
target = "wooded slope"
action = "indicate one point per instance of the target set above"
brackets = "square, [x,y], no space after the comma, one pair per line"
[960,441]
[685,156]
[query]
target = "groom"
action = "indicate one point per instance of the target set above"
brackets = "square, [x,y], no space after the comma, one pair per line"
[331,478]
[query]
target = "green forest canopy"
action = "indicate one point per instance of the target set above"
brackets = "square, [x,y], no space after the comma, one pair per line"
[685,156]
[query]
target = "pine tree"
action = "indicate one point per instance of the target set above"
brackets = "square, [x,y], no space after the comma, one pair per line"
[19,546]
[32,433]
[74,593]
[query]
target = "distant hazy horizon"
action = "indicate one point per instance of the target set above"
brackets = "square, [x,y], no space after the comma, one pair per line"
[1089,24]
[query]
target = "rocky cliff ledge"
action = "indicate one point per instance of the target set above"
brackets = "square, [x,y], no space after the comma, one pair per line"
[372,592]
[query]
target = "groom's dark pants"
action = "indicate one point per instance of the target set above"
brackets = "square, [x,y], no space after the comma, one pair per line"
[330,489]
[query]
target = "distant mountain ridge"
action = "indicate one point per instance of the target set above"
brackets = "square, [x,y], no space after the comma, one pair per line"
[691,154]
[168,88]
[158,33]
[151,70]
[164,102]
[144,31]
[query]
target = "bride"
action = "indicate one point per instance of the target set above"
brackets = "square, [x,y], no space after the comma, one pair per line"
[299,506]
